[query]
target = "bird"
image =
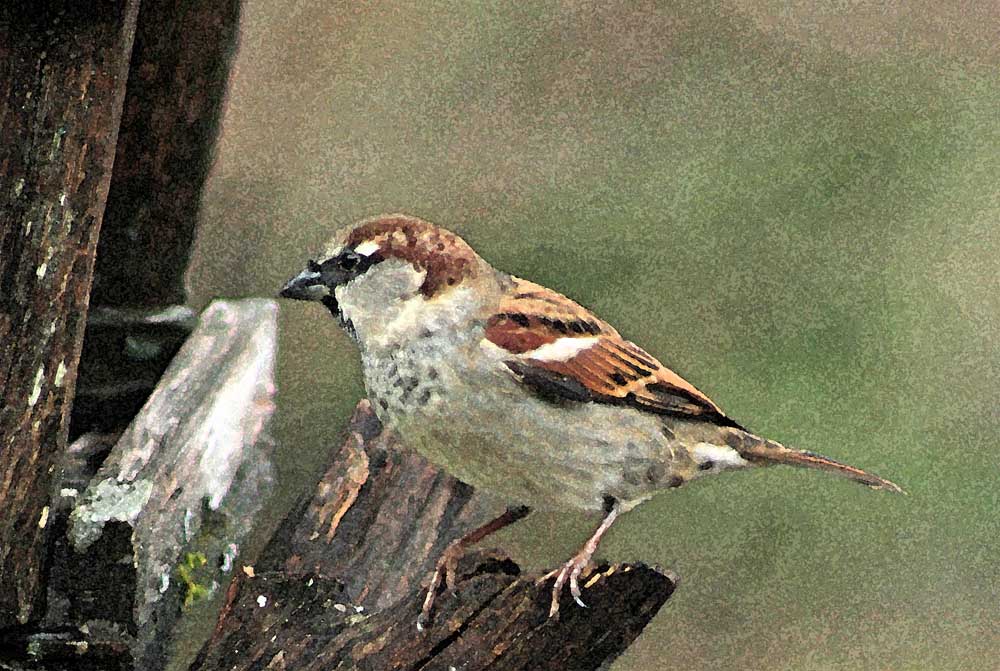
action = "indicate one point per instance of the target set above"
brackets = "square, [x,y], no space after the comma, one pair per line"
[518,390]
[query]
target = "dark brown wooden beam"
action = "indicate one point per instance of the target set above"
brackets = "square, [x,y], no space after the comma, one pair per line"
[63,67]
[175,97]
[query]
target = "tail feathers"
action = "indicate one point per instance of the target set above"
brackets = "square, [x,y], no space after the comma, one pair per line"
[763,452]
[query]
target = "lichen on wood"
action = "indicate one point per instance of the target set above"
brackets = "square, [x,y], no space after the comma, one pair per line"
[197,451]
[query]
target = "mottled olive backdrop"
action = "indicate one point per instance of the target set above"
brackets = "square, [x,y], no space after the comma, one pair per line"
[795,205]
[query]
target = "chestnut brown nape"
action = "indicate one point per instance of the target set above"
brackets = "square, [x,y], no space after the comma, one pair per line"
[445,257]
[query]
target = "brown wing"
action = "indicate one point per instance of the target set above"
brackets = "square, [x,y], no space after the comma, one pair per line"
[563,351]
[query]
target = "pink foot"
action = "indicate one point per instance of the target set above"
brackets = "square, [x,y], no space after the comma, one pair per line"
[571,572]
[572,569]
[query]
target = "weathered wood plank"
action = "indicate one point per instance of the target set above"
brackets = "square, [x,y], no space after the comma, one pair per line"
[339,585]
[179,491]
[62,72]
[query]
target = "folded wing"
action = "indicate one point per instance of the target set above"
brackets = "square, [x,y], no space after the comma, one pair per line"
[563,351]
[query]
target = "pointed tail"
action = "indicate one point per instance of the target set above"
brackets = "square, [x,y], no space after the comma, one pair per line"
[765,452]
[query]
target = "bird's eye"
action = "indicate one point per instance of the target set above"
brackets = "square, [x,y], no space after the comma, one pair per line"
[349,260]
[313,267]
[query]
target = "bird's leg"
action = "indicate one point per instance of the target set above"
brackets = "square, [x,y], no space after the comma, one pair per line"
[447,564]
[572,569]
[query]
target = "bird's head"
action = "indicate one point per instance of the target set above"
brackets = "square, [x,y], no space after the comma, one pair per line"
[390,273]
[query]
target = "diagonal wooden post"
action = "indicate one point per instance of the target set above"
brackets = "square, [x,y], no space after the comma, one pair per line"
[170,121]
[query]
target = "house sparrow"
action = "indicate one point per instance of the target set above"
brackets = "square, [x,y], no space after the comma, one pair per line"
[516,389]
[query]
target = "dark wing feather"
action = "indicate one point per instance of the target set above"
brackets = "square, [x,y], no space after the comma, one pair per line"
[604,368]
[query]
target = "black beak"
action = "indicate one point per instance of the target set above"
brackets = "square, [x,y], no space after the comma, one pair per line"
[306,286]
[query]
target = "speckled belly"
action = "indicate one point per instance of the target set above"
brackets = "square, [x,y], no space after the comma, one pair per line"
[481,426]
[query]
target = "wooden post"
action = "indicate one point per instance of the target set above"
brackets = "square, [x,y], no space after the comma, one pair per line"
[340,583]
[62,72]
[63,69]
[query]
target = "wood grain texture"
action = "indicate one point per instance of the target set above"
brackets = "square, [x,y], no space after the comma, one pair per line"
[340,584]
[62,73]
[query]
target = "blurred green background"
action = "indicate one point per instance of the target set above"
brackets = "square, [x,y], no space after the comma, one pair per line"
[795,205]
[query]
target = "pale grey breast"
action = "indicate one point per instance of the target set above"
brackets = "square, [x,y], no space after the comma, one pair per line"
[466,413]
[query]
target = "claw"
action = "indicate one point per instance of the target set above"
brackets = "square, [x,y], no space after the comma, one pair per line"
[574,582]
[557,590]
[574,586]
[548,576]
[572,569]
[445,570]
[554,606]
[447,565]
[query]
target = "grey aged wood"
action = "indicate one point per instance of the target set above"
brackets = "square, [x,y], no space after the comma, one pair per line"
[167,512]
[340,584]
[62,70]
